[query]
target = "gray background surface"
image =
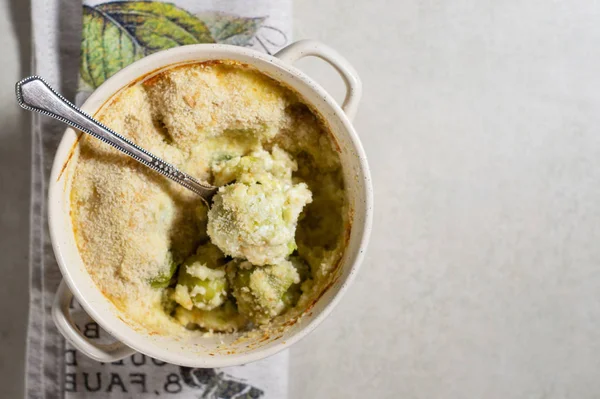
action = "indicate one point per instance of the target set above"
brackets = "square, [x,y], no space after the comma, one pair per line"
[481,122]
[15,148]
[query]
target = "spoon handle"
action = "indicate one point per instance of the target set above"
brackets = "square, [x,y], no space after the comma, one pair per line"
[34,94]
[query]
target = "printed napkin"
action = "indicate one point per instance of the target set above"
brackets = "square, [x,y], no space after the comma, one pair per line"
[76,48]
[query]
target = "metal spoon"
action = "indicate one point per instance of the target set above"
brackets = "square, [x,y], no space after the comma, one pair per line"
[34,94]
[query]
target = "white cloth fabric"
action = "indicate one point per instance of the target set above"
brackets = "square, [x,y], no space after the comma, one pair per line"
[54,368]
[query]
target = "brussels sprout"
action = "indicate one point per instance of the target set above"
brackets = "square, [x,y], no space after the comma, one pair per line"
[164,278]
[259,291]
[201,281]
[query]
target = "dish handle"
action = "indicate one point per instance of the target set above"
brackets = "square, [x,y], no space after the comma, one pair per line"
[307,48]
[106,353]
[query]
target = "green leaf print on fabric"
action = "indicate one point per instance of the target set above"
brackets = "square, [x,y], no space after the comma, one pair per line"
[106,47]
[158,26]
[117,33]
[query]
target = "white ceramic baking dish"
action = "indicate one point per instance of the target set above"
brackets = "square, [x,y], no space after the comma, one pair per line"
[201,351]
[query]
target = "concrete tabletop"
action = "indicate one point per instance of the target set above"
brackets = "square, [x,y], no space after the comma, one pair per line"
[482,278]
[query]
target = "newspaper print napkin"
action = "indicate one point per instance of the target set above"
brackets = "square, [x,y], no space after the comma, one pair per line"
[76,47]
